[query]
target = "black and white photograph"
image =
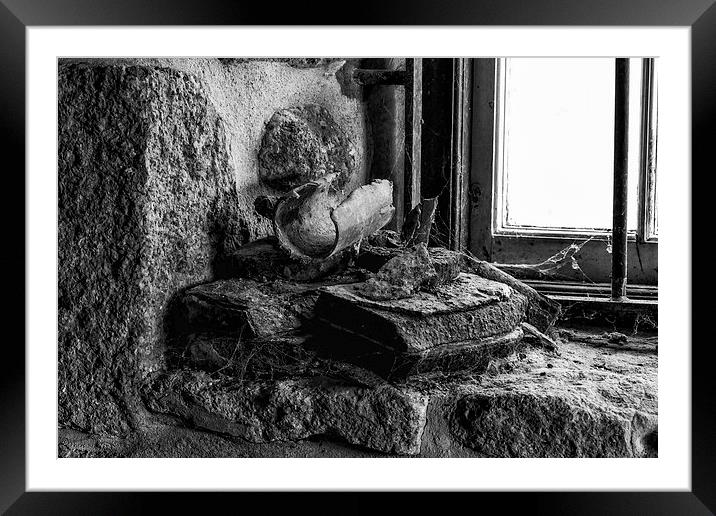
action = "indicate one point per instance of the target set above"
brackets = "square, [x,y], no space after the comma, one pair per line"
[406,257]
[404,249]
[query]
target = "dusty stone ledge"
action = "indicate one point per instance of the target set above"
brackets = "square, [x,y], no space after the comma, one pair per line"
[579,402]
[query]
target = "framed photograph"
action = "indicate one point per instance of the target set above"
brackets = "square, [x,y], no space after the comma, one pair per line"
[423,247]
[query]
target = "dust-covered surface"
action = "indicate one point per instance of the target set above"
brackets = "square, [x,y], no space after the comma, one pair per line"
[173,439]
[468,308]
[579,402]
[158,171]
[464,293]
[584,401]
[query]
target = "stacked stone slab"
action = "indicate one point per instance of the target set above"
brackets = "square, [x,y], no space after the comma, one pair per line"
[459,326]
[456,322]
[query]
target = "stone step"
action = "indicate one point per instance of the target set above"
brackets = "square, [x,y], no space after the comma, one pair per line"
[584,402]
[381,418]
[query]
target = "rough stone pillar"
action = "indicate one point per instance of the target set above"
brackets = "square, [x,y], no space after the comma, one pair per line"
[147,199]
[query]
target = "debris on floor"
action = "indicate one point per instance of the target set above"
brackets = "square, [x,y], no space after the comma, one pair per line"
[404,275]
[644,342]
[358,293]
[542,339]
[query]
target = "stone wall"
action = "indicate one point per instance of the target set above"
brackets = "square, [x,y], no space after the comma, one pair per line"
[157,170]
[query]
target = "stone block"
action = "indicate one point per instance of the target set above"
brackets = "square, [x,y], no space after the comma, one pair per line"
[381,418]
[146,200]
[467,309]
[582,402]
[301,144]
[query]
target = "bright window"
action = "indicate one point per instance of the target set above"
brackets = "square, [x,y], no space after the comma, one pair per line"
[542,172]
[555,143]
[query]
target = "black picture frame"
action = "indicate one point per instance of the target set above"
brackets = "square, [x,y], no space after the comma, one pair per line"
[17,15]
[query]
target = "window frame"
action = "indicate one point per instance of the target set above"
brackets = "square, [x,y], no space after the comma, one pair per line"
[490,242]
[647,222]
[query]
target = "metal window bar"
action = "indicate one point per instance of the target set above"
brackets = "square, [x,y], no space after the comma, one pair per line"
[647,168]
[621,175]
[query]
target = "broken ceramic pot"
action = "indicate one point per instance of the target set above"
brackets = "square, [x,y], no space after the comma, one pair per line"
[313,221]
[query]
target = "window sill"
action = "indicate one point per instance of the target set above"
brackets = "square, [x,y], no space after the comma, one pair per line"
[592,291]
[591,304]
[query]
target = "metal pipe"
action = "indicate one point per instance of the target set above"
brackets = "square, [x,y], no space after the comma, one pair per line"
[460,148]
[384,108]
[413,132]
[621,176]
